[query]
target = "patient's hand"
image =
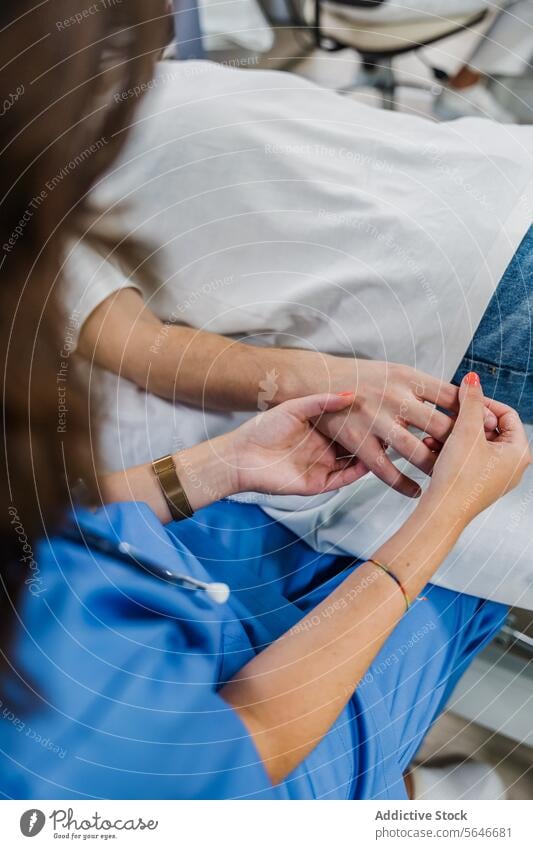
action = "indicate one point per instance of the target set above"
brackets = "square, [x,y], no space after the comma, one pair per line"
[282,451]
[390,398]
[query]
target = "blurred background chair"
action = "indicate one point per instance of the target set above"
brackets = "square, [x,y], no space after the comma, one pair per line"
[337,27]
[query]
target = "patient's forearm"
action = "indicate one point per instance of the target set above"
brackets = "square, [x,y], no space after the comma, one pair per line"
[196,366]
[291,693]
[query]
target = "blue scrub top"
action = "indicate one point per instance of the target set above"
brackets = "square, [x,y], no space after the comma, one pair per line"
[114,692]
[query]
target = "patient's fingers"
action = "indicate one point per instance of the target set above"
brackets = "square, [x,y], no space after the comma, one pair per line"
[430,420]
[412,449]
[490,419]
[432,444]
[374,457]
[429,388]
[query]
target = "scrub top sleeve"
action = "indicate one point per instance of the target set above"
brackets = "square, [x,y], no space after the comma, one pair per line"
[126,670]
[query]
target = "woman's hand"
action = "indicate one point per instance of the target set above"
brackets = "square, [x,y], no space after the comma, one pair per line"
[471,471]
[282,451]
[279,451]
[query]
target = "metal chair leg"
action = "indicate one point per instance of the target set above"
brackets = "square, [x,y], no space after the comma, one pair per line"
[377,73]
[388,86]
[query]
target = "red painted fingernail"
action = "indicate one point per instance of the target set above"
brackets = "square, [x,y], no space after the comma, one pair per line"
[472,379]
[345,394]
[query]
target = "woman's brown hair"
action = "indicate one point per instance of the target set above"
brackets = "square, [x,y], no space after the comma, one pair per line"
[61,127]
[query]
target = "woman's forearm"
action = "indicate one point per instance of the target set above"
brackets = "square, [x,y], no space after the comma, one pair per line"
[291,693]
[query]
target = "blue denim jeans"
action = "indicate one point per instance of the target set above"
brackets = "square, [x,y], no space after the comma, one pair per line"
[501,349]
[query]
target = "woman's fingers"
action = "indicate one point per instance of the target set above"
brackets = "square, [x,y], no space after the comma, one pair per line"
[312,406]
[470,421]
[490,420]
[510,429]
[432,444]
[498,408]
[428,388]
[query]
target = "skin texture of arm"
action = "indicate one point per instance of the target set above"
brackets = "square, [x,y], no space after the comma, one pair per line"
[291,693]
